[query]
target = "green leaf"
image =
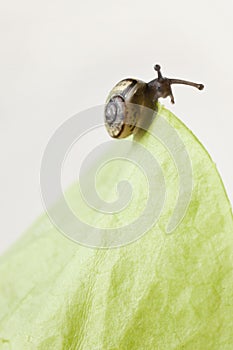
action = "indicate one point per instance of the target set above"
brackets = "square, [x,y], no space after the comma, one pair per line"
[164,291]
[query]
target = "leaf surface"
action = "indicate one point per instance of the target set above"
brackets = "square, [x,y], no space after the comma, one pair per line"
[164,291]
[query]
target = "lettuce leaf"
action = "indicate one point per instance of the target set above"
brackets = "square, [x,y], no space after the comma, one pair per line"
[163,291]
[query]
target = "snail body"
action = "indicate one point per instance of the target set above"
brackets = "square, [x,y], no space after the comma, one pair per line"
[126,102]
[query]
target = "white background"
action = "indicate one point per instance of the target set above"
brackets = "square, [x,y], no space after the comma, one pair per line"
[60,57]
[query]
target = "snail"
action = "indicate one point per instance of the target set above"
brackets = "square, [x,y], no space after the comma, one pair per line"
[124,106]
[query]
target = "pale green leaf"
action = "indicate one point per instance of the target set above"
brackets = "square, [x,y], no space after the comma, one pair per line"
[161,292]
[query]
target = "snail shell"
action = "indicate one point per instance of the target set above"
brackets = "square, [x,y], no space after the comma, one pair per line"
[123,111]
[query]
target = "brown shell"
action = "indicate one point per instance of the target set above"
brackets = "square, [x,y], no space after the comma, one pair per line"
[129,95]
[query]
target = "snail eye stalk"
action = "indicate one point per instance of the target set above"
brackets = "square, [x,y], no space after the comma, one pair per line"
[162,85]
